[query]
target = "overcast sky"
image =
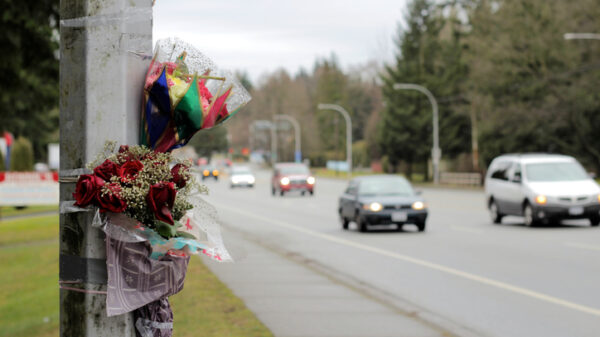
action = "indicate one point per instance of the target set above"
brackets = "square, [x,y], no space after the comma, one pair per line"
[260,36]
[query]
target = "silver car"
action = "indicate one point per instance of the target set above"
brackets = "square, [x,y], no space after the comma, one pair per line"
[541,188]
[241,176]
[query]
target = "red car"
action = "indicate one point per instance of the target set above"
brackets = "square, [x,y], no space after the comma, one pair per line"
[292,177]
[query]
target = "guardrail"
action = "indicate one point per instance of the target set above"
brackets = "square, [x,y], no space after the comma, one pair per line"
[461,178]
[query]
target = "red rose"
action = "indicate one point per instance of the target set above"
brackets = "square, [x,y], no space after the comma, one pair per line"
[111,201]
[124,154]
[131,169]
[107,169]
[160,199]
[178,175]
[86,189]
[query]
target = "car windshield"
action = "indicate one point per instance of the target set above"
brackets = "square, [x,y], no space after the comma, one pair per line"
[565,171]
[241,170]
[294,169]
[385,186]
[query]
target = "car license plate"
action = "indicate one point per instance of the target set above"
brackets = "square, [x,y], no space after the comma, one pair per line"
[576,210]
[399,216]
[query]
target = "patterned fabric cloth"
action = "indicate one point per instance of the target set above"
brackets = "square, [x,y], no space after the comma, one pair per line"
[155,319]
[134,279]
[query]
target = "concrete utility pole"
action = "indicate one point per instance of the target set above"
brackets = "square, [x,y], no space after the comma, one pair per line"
[297,136]
[348,132]
[101,80]
[436,153]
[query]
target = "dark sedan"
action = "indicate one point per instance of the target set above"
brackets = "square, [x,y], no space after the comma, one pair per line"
[381,200]
[209,171]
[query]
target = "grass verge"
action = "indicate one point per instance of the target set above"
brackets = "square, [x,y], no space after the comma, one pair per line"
[326,173]
[206,307]
[29,278]
[417,178]
[29,304]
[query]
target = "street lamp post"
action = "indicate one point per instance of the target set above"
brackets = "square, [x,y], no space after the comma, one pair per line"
[297,140]
[436,153]
[348,132]
[271,127]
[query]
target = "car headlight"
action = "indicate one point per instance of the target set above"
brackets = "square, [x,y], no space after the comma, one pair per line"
[541,199]
[215,173]
[206,173]
[251,180]
[374,207]
[418,205]
[311,181]
[235,180]
[285,181]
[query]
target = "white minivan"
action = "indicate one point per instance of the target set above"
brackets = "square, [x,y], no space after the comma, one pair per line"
[541,188]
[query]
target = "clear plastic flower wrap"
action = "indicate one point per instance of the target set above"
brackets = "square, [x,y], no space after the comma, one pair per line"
[200,222]
[185,92]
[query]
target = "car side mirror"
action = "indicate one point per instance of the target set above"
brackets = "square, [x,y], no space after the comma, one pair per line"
[517,179]
[592,175]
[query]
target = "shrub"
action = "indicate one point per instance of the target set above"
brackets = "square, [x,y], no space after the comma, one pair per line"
[21,158]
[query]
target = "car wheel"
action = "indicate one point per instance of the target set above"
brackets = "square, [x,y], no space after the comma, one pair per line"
[529,217]
[362,224]
[344,221]
[281,193]
[302,193]
[595,221]
[494,213]
[231,186]
[311,192]
[421,226]
[272,190]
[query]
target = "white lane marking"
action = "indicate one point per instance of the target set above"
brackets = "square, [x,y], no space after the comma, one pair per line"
[424,263]
[466,229]
[582,246]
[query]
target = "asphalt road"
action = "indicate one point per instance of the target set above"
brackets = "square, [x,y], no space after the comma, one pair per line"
[463,272]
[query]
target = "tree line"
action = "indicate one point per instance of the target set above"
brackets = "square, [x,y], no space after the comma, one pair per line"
[505,79]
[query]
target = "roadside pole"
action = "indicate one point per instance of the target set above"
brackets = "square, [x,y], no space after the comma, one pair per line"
[346,115]
[101,79]
[297,136]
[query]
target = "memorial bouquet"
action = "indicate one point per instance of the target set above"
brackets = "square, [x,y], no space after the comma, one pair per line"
[185,92]
[147,202]
[141,184]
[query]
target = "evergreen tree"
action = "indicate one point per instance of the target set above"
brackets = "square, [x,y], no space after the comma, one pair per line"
[406,118]
[29,69]
[430,53]
[538,91]
[331,86]
[206,142]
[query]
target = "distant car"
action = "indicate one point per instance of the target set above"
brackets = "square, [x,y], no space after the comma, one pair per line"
[241,176]
[381,200]
[541,188]
[202,161]
[209,171]
[292,177]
